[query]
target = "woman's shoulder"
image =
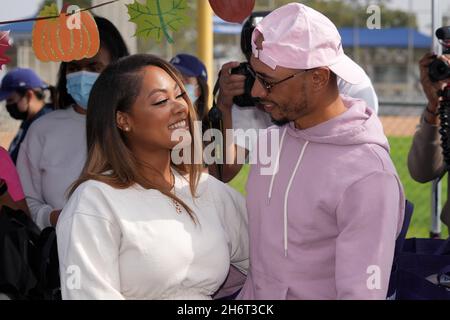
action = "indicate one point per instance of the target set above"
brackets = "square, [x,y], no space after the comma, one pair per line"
[91,193]
[91,197]
[220,189]
[48,120]
[93,186]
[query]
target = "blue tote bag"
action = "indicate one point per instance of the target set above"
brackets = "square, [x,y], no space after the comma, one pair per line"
[423,270]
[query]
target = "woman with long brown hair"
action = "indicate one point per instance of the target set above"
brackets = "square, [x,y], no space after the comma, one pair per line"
[137,225]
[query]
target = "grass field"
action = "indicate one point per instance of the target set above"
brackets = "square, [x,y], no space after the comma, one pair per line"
[418,194]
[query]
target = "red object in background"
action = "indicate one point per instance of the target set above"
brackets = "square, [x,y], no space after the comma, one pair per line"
[232,10]
[4,45]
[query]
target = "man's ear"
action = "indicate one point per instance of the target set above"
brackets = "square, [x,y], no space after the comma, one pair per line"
[123,121]
[320,78]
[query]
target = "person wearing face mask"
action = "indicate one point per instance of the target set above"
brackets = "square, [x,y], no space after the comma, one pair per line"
[23,91]
[54,152]
[195,79]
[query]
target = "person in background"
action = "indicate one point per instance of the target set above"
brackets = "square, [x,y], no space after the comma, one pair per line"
[425,159]
[195,79]
[11,193]
[137,225]
[255,117]
[54,152]
[24,93]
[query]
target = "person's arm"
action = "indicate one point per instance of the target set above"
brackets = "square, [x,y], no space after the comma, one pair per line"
[236,225]
[11,193]
[232,207]
[42,213]
[88,250]
[231,85]
[425,160]
[7,201]
[369,217]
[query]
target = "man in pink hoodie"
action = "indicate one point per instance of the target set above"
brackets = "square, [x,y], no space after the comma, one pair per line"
[323,223]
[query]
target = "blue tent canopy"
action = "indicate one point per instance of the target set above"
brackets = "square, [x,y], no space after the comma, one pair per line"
[389,37]
[223,27]
[25,28]
[20,30]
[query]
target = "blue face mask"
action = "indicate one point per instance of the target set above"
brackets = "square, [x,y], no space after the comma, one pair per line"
[79,86]
[190,90]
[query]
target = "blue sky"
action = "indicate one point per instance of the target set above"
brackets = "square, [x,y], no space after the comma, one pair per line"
[422,9]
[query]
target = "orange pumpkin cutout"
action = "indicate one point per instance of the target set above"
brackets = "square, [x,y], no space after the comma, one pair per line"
[232,10]
[54,41]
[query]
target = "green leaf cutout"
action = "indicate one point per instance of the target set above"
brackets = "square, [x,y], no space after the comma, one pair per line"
[157,17]
[50,11]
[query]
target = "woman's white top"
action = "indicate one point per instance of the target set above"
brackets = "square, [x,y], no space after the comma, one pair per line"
[132,244]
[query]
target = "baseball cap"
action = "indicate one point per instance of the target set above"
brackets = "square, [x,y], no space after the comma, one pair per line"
[299,37]
[20,78]
[189,65]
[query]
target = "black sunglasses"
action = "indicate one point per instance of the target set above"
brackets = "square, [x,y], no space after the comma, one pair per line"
[269,85]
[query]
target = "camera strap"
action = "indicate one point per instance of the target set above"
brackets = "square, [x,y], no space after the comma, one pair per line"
[215,121]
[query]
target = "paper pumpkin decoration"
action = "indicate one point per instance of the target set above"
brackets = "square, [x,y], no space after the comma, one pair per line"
[59,39]
[157,18]
[4,45]
[232,10]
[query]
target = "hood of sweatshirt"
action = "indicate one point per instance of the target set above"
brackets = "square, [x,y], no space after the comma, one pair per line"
[358,125]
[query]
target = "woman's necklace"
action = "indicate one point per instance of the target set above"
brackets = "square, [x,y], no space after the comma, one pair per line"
[177,205]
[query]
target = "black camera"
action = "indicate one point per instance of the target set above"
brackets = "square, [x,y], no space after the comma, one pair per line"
[440,70]
[246,99]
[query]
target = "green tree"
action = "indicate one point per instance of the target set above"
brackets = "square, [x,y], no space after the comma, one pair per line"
[351,13]
[80,3]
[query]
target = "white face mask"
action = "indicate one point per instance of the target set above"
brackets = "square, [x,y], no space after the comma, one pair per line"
[191,92]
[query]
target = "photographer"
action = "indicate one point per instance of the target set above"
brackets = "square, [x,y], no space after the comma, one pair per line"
[252,116]
[23,91]
[425,159]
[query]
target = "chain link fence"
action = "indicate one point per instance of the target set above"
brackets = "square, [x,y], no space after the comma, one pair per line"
[399,122]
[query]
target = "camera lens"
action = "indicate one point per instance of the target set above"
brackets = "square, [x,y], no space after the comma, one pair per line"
[244,100]
[438,70]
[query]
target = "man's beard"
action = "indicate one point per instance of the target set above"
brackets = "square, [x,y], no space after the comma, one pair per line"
[295,112]
[279,123]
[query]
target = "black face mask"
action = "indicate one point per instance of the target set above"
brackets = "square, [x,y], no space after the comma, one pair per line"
[13,110]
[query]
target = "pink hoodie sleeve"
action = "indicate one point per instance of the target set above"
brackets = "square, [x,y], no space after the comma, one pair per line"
[8,173]
[369,216]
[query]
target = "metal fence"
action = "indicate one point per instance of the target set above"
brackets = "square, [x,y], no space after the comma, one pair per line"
[400,120]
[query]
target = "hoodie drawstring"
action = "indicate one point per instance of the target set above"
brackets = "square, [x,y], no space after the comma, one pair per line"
[286,198]
[269,195]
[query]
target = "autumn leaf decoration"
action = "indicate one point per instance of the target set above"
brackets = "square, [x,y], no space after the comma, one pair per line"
[4,45]
[158,17]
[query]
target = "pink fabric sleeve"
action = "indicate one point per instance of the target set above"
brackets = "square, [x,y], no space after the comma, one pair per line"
[8,173]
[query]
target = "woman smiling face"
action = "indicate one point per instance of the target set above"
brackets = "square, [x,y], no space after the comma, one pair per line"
[160,108]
